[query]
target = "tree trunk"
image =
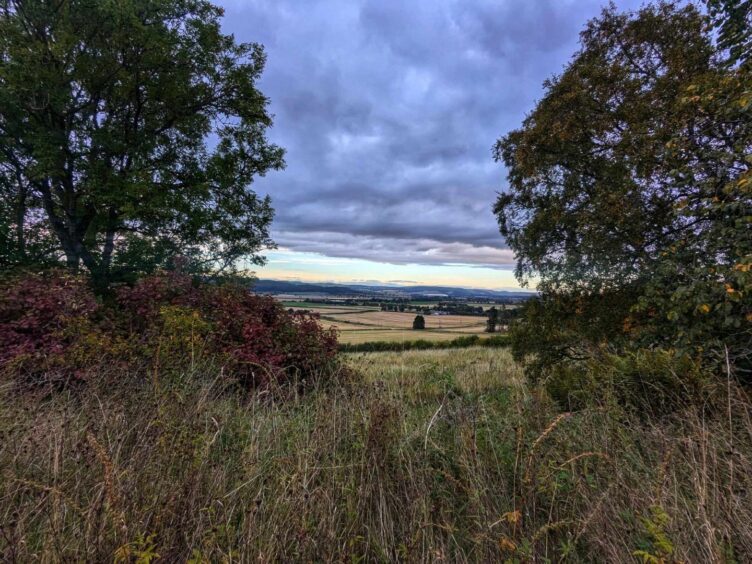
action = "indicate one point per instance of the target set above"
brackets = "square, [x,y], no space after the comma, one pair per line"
[20,222]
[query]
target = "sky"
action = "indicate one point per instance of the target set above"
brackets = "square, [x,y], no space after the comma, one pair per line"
[388,111]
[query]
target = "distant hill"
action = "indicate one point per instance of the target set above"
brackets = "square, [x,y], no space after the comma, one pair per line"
[342,290]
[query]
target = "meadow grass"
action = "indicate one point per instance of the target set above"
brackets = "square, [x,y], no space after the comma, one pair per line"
[441,455]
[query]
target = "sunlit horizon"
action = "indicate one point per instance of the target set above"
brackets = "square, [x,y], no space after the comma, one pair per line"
[293,266]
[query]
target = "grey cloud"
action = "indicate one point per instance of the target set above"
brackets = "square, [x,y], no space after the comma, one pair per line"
[395,250]
[389,109]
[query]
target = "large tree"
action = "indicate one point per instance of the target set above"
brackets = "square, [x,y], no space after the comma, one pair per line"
[629,183]
[131,131]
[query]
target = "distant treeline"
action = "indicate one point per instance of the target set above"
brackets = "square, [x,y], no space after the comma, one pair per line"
[459,342]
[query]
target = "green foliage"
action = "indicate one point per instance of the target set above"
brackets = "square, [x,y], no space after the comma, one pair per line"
[733,19]
[419,322]
[569,326]
[107,112]
[493,320]
[655,526]
[459,342]
[650,383]
[632,177]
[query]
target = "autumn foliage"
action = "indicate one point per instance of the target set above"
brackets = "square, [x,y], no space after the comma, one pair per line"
[53,329]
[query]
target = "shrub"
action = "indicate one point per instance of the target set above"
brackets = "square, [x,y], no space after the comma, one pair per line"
[53,326]
[651,382]
[46,322]
[254,336]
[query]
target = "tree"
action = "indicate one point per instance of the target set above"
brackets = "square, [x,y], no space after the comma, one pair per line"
[629,183]
[493,319]
[131,131]
[419,323]
[732,20]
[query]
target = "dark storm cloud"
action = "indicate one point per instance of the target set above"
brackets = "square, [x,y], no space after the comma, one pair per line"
[388,110]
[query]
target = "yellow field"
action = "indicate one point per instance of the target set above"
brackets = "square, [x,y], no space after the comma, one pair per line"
[363,327]
[362,324]
[397,320]
[395,336]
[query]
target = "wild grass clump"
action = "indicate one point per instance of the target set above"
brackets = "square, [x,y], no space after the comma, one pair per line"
[426,456]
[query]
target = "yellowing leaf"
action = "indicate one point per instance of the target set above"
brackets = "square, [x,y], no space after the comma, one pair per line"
[507,545]
[512,517]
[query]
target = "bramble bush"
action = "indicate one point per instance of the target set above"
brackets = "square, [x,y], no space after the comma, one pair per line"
[54,330]
[43,318]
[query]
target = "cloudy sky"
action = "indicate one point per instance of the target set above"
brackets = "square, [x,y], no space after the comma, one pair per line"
[388,110]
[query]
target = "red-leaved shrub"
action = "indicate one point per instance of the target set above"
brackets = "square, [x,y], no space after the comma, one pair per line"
[52,325]
[42,319]
[254,335]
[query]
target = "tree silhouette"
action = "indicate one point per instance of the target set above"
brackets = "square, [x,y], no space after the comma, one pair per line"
[419,323]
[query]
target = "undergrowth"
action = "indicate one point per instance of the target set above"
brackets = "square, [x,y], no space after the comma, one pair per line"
[425,456]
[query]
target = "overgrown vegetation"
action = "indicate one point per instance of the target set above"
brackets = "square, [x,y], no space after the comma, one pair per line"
[431,455]
[54,332]
[175,418]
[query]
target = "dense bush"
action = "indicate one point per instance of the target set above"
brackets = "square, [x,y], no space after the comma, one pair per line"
[652,383]
[258,339]
[565,327]
[43,318]
[51,325]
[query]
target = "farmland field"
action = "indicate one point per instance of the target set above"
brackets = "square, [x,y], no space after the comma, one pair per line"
[364,324]
[364,327]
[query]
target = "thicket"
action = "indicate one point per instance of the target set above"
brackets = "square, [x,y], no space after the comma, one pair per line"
[54,331]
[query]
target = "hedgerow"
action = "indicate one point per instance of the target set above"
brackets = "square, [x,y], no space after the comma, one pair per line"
[421,344]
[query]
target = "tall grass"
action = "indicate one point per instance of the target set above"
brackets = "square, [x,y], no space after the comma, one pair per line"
[427,456]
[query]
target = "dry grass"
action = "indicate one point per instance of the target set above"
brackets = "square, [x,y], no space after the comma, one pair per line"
[397,320]
[386,326]
[430,456]
[368,335]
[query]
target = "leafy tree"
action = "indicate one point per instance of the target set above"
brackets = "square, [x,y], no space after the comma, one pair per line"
[732,20]
[493,320]
[630,180]
[131,131]
[419,322]
[24,239]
